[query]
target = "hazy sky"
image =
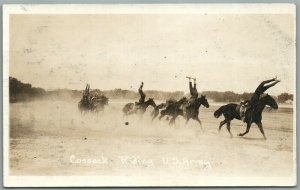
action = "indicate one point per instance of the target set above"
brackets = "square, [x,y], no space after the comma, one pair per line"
[225,52]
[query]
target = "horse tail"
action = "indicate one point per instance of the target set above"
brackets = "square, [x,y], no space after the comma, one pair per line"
[219,112]
[127,108]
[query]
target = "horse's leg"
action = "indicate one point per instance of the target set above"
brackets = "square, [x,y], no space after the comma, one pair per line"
[247,130]
[221,124]
[162,115]
[228,128]
[198,120]
[155,115]
[259,124]
[172,120]
[187,120]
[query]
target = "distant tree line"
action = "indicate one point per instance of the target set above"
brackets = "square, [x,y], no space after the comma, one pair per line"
[230,96]
[227,96]
[129,94]
[285,97]
[19,91]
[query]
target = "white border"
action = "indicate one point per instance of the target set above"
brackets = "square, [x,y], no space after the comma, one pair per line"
[64,181]
[5,55]
[143,181]
[295,104]
[262,8]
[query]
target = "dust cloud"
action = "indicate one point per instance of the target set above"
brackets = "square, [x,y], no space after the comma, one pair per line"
[50,137]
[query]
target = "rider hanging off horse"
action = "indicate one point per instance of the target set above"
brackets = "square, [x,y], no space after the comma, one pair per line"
[247,105]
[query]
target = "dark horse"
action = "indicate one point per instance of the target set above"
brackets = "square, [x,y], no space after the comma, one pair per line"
[174,108]
[192,110]
[253,115]
[188,110]
[138,108]
[95,104]
[156,111]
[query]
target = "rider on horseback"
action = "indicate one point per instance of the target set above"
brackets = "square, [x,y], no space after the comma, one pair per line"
[193,90]
[261,89]
[255,97]
[86,96]
[242,109]
[142,94]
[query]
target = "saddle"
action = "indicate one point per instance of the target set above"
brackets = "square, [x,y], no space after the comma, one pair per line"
[241,110]
[138,104]
[237,109]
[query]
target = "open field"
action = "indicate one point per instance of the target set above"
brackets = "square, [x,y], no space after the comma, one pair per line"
[53,138]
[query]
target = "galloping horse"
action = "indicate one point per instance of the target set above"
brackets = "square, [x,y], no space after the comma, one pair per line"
[192,110]
[100,102]
[96,104]
[155,112]
[253,115]
[189,111]
[174,108]
[139,108]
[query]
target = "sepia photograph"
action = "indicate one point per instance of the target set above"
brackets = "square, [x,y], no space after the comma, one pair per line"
[149,95]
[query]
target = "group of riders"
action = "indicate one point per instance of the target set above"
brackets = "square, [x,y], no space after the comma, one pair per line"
[249,111]
[244,107]
[193,92]
[90,101]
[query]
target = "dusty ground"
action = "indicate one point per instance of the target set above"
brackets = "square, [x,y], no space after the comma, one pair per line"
[53,138]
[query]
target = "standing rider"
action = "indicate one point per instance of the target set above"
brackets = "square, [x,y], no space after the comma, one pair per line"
[142,94]
[86,95]
[193,89]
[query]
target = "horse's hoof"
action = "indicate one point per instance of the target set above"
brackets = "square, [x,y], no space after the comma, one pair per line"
[240,134]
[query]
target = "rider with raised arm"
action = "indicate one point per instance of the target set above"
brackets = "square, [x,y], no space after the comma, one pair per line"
[193,89]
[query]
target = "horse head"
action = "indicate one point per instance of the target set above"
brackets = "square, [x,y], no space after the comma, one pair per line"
[202,100]
[269,101]
[151,102]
